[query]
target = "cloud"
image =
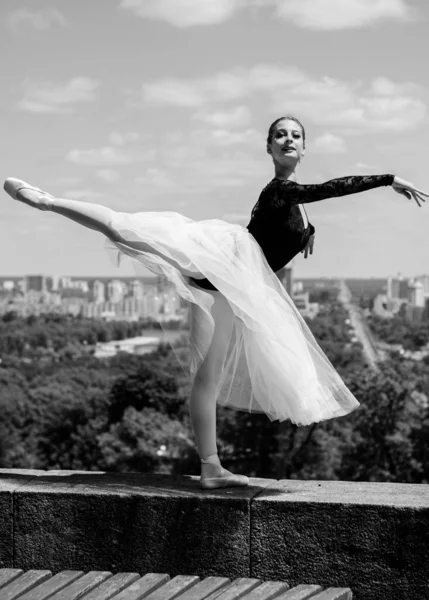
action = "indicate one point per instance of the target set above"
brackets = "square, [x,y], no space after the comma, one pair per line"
[224,86]
[184,13]
[328,143]
[352,107]
[42,19]
[108,175]
[120,139]
[310,14]
[341,14]
[192,169]
[108,156]
[49,97]
[64,180]
[211,137]
[158,180]
[361,166]
[238,116]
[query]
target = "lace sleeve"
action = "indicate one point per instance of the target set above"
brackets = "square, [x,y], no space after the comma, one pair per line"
[296,193]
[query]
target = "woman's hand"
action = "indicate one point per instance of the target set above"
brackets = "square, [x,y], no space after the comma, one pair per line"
[309,246]
[408,190]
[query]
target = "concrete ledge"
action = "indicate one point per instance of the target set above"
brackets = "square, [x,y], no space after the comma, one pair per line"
[371,537]
[374,536]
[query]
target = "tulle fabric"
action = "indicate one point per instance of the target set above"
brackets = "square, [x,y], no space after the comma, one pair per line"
[273,364]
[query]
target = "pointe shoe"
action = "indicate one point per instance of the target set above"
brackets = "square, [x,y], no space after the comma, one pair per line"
[227,480]
[40,200]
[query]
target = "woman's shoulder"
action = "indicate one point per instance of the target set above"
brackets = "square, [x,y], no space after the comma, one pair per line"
[276,184]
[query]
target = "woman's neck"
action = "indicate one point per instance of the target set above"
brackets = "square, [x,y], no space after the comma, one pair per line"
[282,172]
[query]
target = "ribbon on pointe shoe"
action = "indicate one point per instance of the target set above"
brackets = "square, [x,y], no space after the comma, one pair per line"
[226,478]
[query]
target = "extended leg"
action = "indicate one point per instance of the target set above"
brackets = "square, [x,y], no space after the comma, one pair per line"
[93,216]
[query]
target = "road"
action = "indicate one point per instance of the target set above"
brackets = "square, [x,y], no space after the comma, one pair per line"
[359,325]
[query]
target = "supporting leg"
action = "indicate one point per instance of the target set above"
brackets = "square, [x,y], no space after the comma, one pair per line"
[202,405]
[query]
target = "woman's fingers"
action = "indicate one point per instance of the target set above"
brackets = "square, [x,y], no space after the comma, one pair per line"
[410,187]
[421,192]
[416,199]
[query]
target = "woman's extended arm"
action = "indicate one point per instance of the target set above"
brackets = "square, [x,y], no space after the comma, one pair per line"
[297,193]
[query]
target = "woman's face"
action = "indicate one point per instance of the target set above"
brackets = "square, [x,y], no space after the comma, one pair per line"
[287,143]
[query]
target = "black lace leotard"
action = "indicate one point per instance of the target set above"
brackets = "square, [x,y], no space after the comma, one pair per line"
[277,222]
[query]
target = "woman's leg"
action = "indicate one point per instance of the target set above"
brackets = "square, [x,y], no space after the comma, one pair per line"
[94,216]
[202,405]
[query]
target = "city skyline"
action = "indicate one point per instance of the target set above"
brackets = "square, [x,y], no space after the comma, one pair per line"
[163,117]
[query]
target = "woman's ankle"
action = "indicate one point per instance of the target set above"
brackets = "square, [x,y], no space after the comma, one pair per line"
[211,466]
[212,459]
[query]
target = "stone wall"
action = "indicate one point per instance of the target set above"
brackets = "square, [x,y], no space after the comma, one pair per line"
[371,537]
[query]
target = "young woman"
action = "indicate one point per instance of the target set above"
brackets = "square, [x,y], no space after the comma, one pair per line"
[250,348]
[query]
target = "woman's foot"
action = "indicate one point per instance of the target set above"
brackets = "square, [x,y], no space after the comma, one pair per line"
[213,475]
[24,192]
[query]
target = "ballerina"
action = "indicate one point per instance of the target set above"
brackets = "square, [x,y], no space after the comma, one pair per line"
[250,347]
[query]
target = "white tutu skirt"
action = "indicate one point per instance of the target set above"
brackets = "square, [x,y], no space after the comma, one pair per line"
[273,363]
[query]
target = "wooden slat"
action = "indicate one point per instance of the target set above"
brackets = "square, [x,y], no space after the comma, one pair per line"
[334,594]
[269,590]
[174,587]
[52,585]
[144,586]
[15,584]
[25,582]
[112,586]
[84,584]
[204,588]
[301,592]
[8,575]
[236,590]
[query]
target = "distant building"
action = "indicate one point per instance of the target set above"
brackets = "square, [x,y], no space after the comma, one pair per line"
[8,285]
[98,291]
[424,280]
[35,283]
[136,345]
[392,288]
[137,289]
[397,287]
[416,294]
[115,290]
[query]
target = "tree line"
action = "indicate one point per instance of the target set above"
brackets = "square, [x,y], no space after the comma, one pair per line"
[128,413]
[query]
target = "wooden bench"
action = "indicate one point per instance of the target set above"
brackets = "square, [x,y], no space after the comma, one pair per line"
[103,585]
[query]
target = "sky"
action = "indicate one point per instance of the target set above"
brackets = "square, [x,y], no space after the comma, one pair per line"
[154,105]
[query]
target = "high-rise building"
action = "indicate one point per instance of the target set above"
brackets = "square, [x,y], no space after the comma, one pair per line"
[55,283]
[115,290]
[424,280]
[136,289]
[393,287]
[99,291]
[417,294]
[35,283]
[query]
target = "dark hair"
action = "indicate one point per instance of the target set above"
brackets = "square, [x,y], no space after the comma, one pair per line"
[291,118]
